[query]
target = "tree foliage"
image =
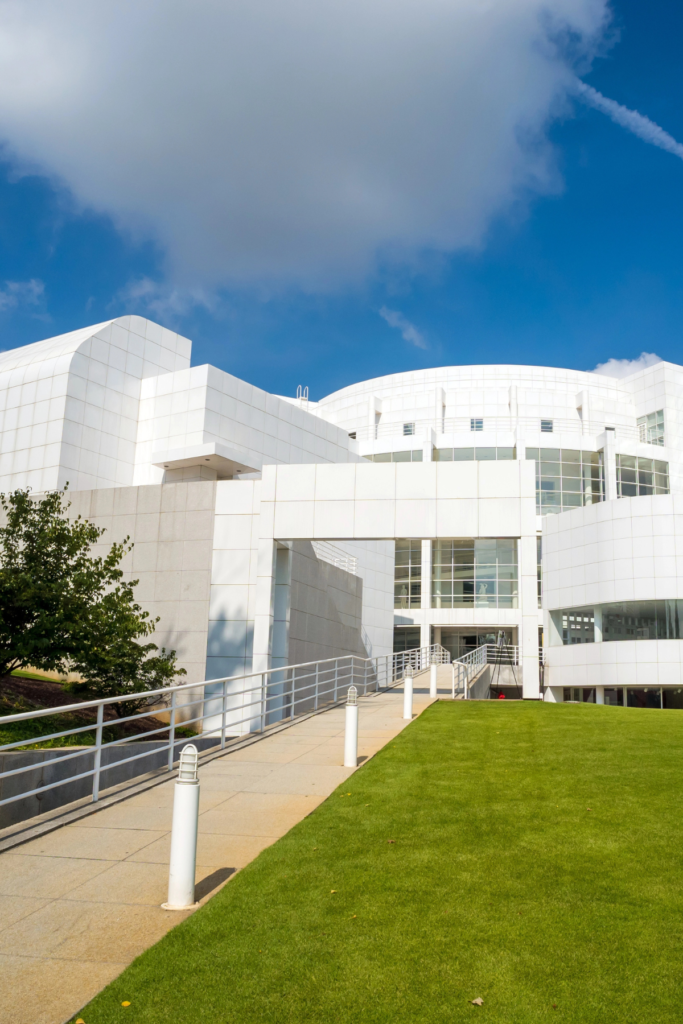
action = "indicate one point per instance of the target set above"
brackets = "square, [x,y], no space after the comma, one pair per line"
[63,609]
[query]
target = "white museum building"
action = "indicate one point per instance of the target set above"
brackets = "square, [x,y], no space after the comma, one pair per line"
[461,505]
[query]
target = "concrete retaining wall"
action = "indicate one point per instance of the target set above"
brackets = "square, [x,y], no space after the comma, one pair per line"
[50,766]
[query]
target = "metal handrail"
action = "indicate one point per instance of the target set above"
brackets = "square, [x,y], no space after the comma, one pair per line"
[470,664]
[228,708]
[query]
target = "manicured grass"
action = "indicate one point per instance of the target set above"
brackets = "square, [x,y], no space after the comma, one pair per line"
[538,861]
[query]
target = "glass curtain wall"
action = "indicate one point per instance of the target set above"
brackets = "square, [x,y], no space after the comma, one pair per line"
[626,620]
[643,620]
[408,574]
[567,478]
[413,456]
[641,476]
[651,427]
[472,454]
[478,573]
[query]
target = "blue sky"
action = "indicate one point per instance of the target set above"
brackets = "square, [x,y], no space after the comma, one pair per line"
[592,270]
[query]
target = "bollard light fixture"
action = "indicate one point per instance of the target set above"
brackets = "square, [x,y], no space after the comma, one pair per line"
[184,832]
[351,729]
[188,767]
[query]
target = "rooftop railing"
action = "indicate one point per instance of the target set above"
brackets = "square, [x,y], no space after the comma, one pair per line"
[498,424]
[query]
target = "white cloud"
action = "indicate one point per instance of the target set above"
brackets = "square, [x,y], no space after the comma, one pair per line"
[634,122]
[292,141]
[409,332]
[21,293]
[623,367]
[165,301]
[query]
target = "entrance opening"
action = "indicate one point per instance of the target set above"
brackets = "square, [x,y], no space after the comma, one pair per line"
[460,640]
[406,638]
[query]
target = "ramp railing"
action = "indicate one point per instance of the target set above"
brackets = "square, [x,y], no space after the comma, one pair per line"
[222,710]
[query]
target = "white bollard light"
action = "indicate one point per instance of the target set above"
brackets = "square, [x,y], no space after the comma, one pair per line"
[351,734]
[408,692]
[433,669]
[184,832]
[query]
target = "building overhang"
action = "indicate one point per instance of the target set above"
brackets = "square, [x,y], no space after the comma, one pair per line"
[227,462]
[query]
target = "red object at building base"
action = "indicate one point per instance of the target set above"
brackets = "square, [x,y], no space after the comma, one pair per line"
[501,696]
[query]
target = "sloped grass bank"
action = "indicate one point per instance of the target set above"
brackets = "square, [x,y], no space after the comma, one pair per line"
[527,854]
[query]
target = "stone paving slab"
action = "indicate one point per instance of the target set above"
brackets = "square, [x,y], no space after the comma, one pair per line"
[81,902]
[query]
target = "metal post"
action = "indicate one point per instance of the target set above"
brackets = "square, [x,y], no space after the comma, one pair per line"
[224,713]
[263,702]
[453,679]
[351,731]
[98,754]
[336,678]
[184,832]
[171,733]
[315,705]
[433,669]
[408,692]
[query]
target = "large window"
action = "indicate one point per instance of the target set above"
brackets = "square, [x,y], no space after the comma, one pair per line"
[471,454]
[651,427]
[627,620]
[478,573]
[408,574]
[566,478]
[414,456]
[406,638]
[641,476]
[643,620]
[539,571]
[578,626]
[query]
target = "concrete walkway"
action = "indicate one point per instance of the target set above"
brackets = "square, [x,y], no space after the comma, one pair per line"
[80,903]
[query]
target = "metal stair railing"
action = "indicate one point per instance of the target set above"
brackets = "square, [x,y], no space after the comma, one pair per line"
[470,665]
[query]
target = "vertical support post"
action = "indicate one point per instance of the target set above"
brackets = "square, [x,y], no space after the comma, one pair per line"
[315,699]
[336,678]
[433,670]
[184,832]
[98,754]
[263,702]
[351,730]
[224,713]
[453,679]
[171,732]
[408,693]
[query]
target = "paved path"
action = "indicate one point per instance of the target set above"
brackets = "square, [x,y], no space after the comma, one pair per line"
[80,903]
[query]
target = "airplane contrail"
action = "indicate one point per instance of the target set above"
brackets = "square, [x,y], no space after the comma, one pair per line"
[637,123]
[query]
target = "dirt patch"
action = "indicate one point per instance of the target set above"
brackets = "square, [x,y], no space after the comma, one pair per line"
[19,694]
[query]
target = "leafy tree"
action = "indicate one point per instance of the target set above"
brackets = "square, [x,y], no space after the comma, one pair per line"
[63,609]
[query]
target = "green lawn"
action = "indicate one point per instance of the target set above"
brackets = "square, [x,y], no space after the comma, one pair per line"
[537,862]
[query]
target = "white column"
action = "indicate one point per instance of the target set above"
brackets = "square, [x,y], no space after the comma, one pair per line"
[528,641]
[583,407]
[433,670]
[610,456]
[430,442]
[374,415]
[426,601]
[599,694]
[597,625]
[439,409]
[512,404]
